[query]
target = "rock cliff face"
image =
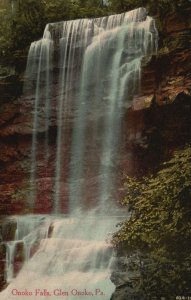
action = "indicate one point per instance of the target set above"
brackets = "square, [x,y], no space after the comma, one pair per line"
[158,123]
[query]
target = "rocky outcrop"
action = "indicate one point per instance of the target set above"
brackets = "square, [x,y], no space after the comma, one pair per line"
[168,74]
[154,133]
[159,121]
[127,279]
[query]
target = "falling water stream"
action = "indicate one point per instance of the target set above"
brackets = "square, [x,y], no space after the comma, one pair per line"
[96,64]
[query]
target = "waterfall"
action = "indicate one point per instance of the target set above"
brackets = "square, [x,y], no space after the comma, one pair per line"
[29,231]
[97,66]
[85,74]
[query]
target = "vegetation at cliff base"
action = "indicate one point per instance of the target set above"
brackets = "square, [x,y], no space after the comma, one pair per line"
[160,226]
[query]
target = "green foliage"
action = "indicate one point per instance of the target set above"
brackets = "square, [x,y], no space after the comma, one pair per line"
[160,225]
[59,10]
[19,27]
[161,7]
[26,23]
[125,5]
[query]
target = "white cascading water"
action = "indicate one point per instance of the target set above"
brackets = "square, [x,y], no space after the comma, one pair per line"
[29,230]
[96,65]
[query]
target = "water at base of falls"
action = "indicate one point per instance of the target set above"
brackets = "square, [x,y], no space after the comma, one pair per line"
[72,259]
[85,74]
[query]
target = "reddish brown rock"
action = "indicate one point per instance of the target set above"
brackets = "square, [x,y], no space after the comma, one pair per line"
[150,129]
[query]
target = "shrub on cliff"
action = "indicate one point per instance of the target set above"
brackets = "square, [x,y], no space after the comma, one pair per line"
[160,226]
